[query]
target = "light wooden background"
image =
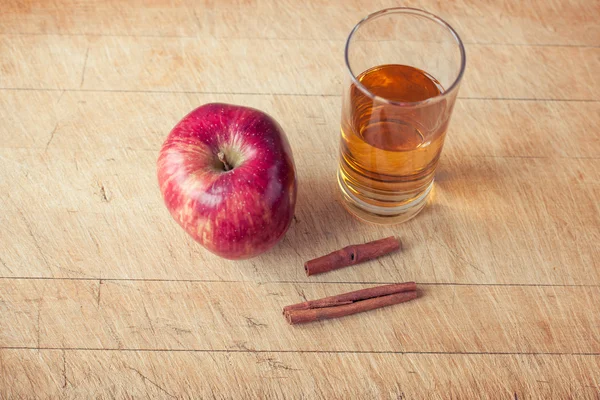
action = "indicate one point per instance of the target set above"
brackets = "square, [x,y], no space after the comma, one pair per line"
[102,295]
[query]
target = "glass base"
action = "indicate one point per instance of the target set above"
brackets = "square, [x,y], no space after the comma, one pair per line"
[379,214]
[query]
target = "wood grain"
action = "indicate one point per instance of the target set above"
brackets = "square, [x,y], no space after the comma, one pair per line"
[103,296]
[540,22]
[274,66]
[74,374]
[206,316]
[105,220]
[95,200]
[492,128]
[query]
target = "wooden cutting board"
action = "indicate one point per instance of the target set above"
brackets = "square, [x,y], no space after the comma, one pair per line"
[102,295]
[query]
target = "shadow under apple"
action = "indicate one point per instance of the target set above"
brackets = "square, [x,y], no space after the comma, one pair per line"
[320,225]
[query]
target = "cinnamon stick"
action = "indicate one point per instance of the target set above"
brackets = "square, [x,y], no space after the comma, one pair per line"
[357,295]
[351,255]
[317,314]
[350,303]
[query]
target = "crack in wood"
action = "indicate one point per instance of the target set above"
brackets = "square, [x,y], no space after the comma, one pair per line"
[33,237]
[179,330]
[240,347]
[197,19]
[330,95]
[92,278]
[39,315]
[75,162]
[104,194]
[87,51]
[37,329]
[98,296]
[115,337]
[253,323]
[455,254]
[275,364]
[301,294]
[149,319]
[146,379]
[5,265]
[60,97]
[64,369]
[51,137]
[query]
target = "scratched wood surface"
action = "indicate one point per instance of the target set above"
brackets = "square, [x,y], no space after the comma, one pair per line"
[103,296]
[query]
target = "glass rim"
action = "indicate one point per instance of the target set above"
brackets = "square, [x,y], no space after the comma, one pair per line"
[422,13]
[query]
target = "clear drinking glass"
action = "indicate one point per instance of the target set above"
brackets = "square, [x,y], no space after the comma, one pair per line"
[404,70]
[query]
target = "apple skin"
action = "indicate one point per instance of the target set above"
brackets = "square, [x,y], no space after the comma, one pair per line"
[237,213]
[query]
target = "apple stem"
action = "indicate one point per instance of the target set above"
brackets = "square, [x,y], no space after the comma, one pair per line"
[222,158]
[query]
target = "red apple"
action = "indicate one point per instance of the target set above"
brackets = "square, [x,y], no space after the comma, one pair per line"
[227,176]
